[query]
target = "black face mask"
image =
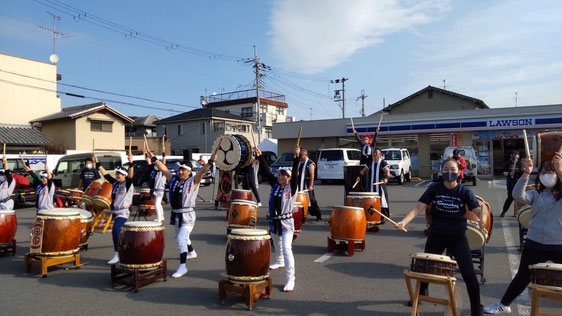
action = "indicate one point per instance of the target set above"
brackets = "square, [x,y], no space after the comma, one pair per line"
[450,176]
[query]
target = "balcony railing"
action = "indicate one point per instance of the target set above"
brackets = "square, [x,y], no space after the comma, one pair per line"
[244,94]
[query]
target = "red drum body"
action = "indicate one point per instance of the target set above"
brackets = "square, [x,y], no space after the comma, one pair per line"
[368,201]
[302,197]
[76,196]
[241,195]
[247,255]
[86,223]
[56,232]
[141,245]
[91,192]
[298,217]
[8,227]
[242,214]
[348,223]
[146,204]
[102,200]
[548,144]
[432,264]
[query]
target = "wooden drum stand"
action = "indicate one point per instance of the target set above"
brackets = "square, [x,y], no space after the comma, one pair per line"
[348,246]
[549,292]
[140,277]
[447,281]
[8,248]
[48,261]
[251,291]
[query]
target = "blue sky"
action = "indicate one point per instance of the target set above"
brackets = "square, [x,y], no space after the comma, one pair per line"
[484,49]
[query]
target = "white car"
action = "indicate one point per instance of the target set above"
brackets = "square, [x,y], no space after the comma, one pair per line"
[400,164]
[331,162]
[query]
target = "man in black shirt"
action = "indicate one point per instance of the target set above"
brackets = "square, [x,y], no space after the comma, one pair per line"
[88,175]
[512,170]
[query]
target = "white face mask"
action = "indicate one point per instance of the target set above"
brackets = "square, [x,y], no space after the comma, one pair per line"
[89,165]
[548,180]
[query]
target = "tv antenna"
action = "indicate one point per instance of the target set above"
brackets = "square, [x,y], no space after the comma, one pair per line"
[56,35]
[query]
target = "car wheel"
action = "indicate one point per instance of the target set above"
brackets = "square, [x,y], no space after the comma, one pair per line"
[401,178]
[409,175]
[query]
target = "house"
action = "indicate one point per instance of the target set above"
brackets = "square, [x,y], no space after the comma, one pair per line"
[141,127]
[24,138]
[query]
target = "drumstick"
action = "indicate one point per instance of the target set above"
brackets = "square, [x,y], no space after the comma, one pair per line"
[253,137]
[218,146]
[4,151]
[163,145]
[355,184]
[526,144]
[352,125]
[560,150]
[382,182]
[388,219]
[299,137]
[130,145]
[93,144]
[380,121]
[145,143]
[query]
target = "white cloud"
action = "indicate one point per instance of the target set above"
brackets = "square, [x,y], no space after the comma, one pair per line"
[318,34]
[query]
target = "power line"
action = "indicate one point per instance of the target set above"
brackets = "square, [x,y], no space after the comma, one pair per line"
[289,93]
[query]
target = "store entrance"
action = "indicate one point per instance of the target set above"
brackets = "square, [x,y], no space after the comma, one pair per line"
[502,149]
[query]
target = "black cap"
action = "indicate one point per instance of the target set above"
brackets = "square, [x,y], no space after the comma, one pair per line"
[455,152]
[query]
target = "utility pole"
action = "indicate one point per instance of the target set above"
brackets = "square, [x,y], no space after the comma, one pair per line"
[311,114]
[515,98]
[337,97]
[444,85]
[362,97]
[258,103]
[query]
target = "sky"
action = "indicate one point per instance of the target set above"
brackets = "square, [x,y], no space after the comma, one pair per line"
[175,51]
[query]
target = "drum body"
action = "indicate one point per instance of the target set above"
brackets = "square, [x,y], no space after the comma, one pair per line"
[432,264]
[524,216]
[302,197]
[241,195]
[146,204]
[476,236]
[76,196]
[86,223]
[56,232]
[549,274]
[247,255]
[548,144]
[91,192]
[234,152]
[298,217]
[242,214]
[141,245]
[368,201]
[102,200]
[8,226]
[348,223]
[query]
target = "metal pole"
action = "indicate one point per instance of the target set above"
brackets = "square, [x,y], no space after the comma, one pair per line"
[258,103]
[343,97]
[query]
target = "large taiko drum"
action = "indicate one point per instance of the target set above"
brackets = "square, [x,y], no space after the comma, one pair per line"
[56,232]
[247,255]
[302,197]
[141,245]
[548,144]
[432,264]
[91,192]
[234,152]
[8,226]
[146,204]
[524,216]
[369,201]
[348,223]
[298,217]
[546,273]
[102,200]
[237,194]
[242,214]
[86,223]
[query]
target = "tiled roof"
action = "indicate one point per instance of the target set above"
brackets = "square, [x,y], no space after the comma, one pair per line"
[145,120]
[201,113]
[74,112]
[22,135]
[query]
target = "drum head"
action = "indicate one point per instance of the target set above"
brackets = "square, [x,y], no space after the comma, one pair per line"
[229,152]
[142,224]
[77,191]
[433,257]
[248,232]
[547,266]
[349,208]
[87,215]
[60,212]
[7,212]
[145,190]
[245,202]
[476,238]
[524,216]
[239,190]
[363,194]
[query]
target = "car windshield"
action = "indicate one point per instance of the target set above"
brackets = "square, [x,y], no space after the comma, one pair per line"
[392,155]
[285,158]
[331,155]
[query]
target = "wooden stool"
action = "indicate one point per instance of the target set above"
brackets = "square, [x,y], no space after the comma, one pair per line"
[140,278]
[250,291]
[8,248]
[538,291]
[345,245]
[415,297]
[46,262]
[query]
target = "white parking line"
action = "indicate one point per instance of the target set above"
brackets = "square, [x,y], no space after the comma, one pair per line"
[418,184]
[324,257]
[428,183]
[524,300]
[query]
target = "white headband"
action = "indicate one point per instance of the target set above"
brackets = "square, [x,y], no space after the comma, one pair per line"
[121,171]
[185,167]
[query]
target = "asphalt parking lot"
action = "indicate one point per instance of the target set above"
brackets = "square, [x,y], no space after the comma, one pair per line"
[370,282]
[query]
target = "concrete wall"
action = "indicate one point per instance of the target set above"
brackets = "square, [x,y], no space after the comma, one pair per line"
[439,102]
[424,161]
[62,132]
[20,104]
[154,143]
[272,115]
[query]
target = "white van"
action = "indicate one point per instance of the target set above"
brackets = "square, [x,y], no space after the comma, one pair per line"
[69,167]
[399,162]
[331,162]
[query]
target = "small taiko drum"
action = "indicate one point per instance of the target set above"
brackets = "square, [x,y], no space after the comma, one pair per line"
[102,200]
[548,144]
[64,197]
[518,205]
[247,255]
[86,223]
[76,196]
[432,264]
[298,217]
[524,216]
[240,195]
[8,226]
[146,204]
[369,201]
[242,214]
[141,245]
[91,192]
[56,232]
[549,274]
[348,223]
[476,236]
[302,197]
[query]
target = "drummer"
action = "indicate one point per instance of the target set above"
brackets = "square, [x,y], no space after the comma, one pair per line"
[7,186]
[157,183]
[448,226]
[305,177]
[183,194]
[367,143]
[249,175]
[281,224]
[379,171]
[44,188]
[544,235]
[121,197]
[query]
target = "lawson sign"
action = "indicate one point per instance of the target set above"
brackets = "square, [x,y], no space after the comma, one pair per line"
[511,122]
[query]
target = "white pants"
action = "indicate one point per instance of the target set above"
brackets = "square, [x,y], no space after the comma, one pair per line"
[183,232]
[158,205]
[284,253]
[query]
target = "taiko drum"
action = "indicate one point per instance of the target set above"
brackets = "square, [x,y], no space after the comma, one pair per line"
[141,245]
[348,223]
[146,204]
[8,226]
[432,264]
[56,232]
[102,200]
[298,217]
[247,255]
[548,144]
[242,214]
[240,195]
[86,223]
[368,201]
[91,192]
[302,197]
